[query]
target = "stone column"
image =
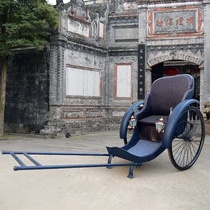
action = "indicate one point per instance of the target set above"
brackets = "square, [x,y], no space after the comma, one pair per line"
[148,79]
[142,25]
[206,72]
[142,38]
[53,66]
[56,75]
[202,88]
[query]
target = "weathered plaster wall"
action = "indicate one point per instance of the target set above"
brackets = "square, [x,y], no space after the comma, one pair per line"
[75,114]
[99,39]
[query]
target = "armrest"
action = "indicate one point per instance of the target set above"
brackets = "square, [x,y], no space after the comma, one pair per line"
[126,118]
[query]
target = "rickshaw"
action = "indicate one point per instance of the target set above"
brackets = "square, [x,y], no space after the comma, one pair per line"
[168,119]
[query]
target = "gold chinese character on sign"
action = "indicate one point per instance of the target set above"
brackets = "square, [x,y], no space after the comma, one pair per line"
[190,20]
[159,23]
[169,22]
[179,21]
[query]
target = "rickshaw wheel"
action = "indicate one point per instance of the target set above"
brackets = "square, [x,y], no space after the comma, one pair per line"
[188,140]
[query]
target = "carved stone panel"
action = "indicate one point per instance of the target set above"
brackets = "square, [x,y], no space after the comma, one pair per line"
[126,33]
[79,27]
[176,21]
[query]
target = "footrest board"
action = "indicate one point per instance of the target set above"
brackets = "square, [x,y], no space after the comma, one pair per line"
[144,148]
[142,151]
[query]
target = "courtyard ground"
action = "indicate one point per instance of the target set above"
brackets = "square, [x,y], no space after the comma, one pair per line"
[156,185]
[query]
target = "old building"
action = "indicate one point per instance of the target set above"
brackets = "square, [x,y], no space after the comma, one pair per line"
[105,56]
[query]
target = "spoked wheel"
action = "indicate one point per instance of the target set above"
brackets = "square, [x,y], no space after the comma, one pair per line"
[189,135]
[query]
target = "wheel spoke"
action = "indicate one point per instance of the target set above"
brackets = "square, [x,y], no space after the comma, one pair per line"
[178,152]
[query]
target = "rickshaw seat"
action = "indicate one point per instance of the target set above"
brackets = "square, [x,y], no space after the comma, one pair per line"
[166,93]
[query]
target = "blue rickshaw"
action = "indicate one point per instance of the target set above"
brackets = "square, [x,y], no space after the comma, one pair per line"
[169,118]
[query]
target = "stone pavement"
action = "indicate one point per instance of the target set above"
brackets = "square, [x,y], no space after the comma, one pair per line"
[156,185]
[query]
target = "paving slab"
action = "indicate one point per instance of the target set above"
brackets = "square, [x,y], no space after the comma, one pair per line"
[156,185]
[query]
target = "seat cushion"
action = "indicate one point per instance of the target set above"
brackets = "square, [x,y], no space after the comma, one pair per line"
[151,120]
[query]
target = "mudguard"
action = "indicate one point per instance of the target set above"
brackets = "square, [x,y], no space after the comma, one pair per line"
[173,119]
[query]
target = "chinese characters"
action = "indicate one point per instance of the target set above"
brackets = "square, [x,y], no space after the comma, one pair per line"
[177,21]
[141,71]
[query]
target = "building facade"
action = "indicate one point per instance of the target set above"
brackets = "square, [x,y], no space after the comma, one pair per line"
[106,54]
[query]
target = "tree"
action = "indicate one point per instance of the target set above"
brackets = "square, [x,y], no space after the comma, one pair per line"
[23,24]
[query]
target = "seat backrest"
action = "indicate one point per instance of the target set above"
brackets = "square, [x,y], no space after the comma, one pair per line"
[168,91]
